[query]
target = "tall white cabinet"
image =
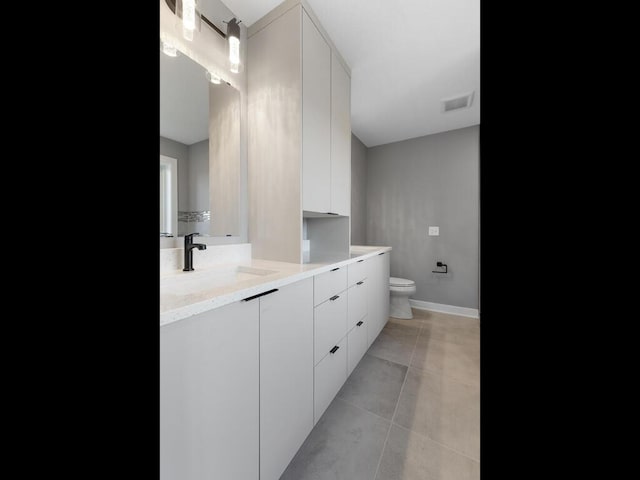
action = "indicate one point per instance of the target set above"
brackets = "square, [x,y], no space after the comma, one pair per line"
[299,136]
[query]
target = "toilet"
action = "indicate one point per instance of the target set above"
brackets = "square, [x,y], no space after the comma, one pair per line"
[401,289]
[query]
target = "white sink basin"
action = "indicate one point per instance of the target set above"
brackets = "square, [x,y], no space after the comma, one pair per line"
[190,283]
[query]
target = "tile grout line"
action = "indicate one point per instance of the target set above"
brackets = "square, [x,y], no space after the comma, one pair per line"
[386,438]
[361,408]
[436,441]
[404,381]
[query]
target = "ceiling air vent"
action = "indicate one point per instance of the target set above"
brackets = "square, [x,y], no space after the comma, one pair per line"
[463,101]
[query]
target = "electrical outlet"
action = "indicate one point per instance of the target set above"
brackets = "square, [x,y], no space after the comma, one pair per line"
[434,231]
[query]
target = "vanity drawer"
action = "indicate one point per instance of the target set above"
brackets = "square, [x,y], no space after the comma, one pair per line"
[330,375]
[356,271]
[329,325]
[356,303]
[356,344]
[328,284]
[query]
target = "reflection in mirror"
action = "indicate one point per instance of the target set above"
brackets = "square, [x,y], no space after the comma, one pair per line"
[190,108]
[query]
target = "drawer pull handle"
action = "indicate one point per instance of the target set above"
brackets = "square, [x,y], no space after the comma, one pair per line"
[359,323]
[335,297]
[334,349]
[248,299]
[334,269]
[360,261]
[381,253]
[359,283]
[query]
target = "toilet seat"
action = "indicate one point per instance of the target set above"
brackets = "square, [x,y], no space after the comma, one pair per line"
[400,282]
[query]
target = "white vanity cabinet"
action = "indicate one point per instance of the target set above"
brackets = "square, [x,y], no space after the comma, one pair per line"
[209,404]
[286,375]
[299,137]
[378,274]
[242,385]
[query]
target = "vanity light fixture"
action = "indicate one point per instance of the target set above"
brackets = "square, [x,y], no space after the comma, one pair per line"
[212,77]
[188,11]
[233,38]
[168,48]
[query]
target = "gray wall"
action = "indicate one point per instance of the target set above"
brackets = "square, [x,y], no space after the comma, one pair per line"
[199,176]
[430,180]
[193,170]
[358,191]
[173,149]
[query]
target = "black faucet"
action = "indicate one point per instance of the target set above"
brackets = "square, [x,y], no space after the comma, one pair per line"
[188,251]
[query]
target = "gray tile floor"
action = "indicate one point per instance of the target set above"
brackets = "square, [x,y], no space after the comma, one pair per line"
[410,410]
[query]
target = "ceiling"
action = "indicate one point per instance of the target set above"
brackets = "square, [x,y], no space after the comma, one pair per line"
[405,57]
[184,95]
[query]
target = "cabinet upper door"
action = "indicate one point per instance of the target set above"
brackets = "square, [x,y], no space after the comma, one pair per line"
[316,119]
[340,138]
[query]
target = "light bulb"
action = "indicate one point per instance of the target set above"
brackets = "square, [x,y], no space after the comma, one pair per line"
[233,37]
[188,18]
[168,49]
[212,77]
[234,50]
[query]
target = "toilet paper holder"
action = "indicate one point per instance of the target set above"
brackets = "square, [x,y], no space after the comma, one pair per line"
[440,264]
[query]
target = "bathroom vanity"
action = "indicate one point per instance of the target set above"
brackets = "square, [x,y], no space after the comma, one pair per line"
[252,353]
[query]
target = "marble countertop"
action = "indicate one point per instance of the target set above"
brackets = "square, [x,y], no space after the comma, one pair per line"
[184,294]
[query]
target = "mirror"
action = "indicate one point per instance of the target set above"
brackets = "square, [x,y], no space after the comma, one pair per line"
[199,151]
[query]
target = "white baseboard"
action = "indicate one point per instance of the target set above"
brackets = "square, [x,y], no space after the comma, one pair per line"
[440,307]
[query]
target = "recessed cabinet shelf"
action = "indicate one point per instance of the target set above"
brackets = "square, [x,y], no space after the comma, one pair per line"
[328,237]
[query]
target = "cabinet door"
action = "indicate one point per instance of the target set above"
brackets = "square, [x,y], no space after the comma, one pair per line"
[328,284]
[357,303]
[378,278]
[357,344]
[356,271]
[209,402]
[286,375]
[316,119]
[330,324]
[330,375]
[340,138]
